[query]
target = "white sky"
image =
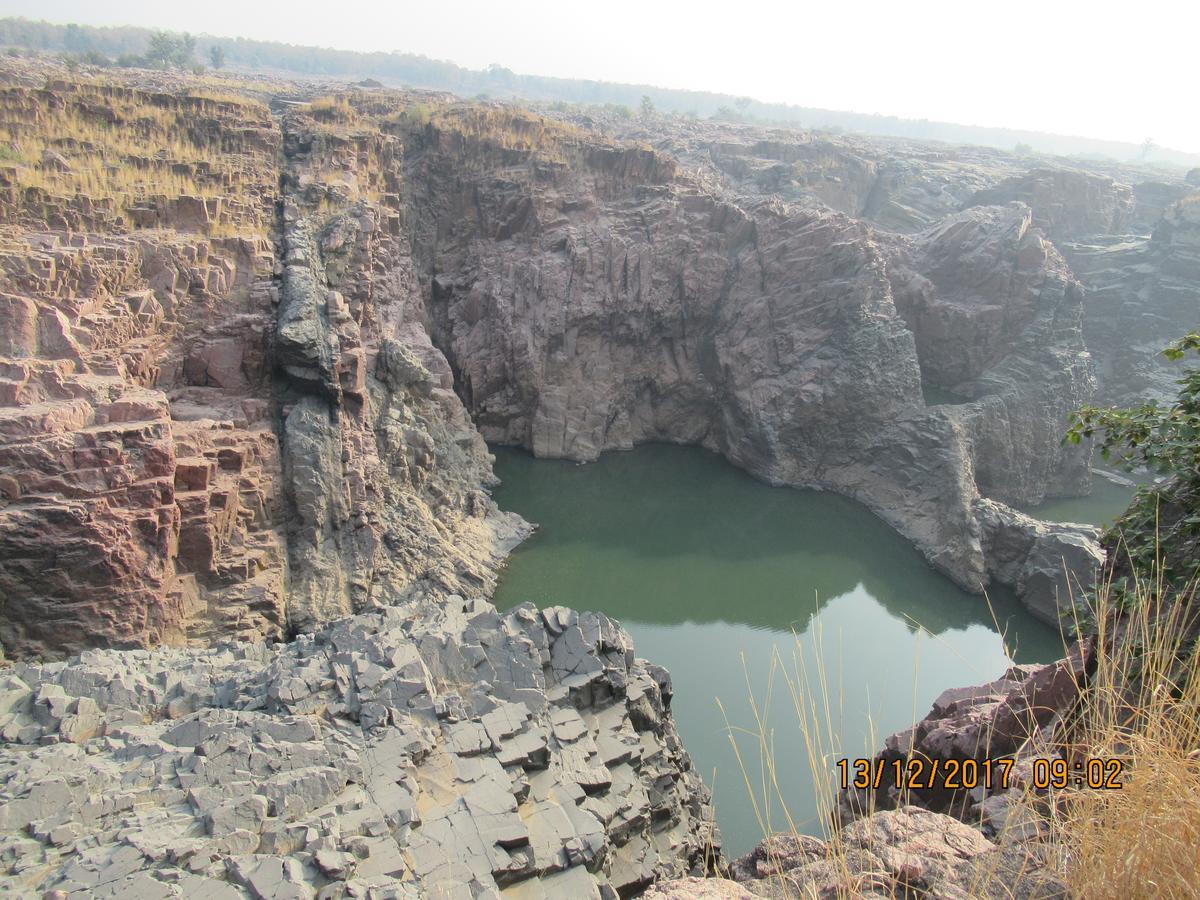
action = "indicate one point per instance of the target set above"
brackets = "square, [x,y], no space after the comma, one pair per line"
[1098,69]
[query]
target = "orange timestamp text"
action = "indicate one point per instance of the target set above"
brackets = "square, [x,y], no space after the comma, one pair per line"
[966,774]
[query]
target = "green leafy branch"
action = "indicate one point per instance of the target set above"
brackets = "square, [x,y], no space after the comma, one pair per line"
[1165,439]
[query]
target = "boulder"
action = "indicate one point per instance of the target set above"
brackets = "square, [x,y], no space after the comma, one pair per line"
[897,853]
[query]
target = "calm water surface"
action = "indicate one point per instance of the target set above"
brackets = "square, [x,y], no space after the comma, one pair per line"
[716,575]
[1106,501]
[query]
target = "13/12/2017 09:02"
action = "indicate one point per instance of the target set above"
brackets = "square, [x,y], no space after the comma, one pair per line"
[965,774]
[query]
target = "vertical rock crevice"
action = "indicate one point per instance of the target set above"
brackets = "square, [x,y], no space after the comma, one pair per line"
[385,472]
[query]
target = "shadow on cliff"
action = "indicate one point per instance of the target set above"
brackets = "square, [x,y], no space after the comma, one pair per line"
[666,534]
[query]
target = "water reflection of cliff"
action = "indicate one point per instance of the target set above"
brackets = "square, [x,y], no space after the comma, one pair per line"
[664,534]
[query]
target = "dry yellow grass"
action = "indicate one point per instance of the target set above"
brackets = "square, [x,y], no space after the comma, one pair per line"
[491,127]
[334,108]
[117,144]
[1142,705]
[508,127]
[216,95]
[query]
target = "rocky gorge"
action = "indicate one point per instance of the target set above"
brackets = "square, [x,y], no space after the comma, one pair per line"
[247,543]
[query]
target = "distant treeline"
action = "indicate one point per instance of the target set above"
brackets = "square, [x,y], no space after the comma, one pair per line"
[130,45]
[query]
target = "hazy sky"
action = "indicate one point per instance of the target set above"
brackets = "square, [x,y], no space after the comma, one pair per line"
[1126,72]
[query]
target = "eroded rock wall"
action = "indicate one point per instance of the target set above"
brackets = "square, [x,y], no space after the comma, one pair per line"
[140,467]
[1143,293]
[386,475]
[219,418]
[1068,203]
[589,304]
[590,294]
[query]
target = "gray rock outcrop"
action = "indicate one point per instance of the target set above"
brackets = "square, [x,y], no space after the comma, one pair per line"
[1142,293]
[1067,203]
[438,750]
[379,456]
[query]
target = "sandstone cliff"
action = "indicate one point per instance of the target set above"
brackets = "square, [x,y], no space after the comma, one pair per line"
[177,464]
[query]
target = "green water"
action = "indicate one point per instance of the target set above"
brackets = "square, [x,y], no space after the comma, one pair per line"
[1101,507]
[715,575]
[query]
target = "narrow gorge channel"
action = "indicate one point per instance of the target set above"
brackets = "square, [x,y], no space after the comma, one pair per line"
[711,572]
[409,496]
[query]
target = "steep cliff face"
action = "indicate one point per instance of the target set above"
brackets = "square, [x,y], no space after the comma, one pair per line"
[176,464]
[1067,203]
[605,298]
[997,318]
[385,472]
[1143,293]
[140,468]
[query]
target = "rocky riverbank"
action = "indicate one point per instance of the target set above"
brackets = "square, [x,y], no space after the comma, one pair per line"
[940,840]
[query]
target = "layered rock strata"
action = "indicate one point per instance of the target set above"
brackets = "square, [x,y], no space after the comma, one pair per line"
[177,465]
[238,427]
[1100,213]
[1068,203]
[1143,293]
[140,474]
[438,750]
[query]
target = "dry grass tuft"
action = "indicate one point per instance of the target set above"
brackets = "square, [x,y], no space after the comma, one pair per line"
[332,109]
[808,685]
[1141,705]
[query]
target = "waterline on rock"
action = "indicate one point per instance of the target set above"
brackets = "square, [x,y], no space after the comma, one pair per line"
[715,574]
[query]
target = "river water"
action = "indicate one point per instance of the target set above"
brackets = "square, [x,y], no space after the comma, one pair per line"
[728,582]
[1101,507]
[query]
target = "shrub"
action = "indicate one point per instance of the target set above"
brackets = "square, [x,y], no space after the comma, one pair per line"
[1161,529]
[331,109]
